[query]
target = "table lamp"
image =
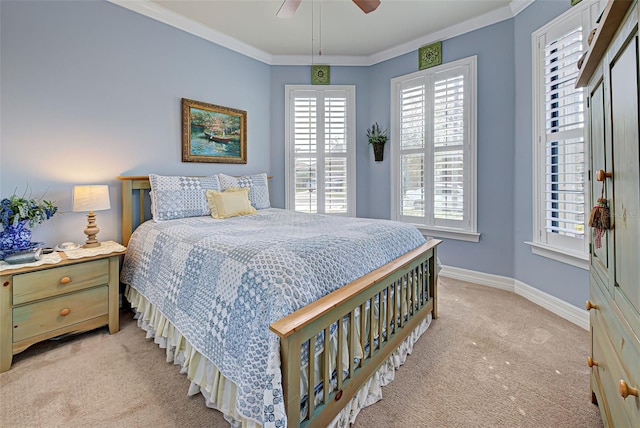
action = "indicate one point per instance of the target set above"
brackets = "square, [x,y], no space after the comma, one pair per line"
[91,198]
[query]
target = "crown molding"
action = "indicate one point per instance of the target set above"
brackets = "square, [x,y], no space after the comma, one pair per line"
[518,6]
[341,60]
[467,26]
[154,11]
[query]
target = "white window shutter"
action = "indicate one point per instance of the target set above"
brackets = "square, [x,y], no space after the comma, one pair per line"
[321,150]
[564,176]
[560,138]
[412,143]
[449,148]
[433,120]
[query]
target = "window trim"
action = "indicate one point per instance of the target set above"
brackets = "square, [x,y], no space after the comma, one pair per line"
[539,246]
[351,144]
[470,233]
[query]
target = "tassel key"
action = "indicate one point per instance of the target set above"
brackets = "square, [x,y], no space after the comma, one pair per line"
[600,219]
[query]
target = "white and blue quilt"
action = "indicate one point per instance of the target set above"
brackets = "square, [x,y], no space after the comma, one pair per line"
[223,282]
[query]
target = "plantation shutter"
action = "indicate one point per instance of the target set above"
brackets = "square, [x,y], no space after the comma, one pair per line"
[322,151]
[306,153]
[449,145]
[564,176]
[434,121]
[412,145]
[335,150]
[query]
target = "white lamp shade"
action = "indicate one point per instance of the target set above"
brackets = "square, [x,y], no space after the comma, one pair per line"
[91,198]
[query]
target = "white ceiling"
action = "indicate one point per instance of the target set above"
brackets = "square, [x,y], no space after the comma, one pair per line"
[337,28]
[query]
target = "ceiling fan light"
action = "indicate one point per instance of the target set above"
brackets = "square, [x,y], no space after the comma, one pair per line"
[288,8]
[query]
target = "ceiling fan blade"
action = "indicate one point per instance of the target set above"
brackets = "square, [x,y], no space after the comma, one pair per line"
[367,5]
[288,8]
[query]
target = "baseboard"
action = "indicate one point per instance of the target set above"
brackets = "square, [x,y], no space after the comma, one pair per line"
[579,317]
[480,278]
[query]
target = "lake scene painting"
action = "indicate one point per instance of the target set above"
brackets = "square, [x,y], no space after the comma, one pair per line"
[212,133]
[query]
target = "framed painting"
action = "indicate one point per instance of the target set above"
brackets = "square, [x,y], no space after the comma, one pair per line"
[212,133]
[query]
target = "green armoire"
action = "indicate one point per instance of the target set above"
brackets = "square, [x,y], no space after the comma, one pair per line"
[610,72]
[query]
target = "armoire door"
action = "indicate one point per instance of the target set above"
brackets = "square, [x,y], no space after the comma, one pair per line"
[600,160]
[626,179]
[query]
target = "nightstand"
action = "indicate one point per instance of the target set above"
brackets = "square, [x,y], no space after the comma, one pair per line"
[71,296]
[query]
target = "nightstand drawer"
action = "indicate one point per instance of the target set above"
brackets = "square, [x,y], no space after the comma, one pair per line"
[47,315]
[28,287]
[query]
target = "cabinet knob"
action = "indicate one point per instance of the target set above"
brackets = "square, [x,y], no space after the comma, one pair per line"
[626,390]
[601,175]
[64,312]
[591,362]
[65,280]
[590,306]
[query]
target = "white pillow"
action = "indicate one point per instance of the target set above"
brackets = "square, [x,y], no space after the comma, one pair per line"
[258,188]
[179,196]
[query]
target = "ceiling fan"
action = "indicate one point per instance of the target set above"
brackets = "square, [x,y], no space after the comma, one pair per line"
[289,7]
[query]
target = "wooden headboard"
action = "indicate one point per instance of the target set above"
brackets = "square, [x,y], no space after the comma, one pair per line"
[130,185]
[135,185]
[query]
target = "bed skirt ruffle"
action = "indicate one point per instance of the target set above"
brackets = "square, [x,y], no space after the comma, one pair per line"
[219,392]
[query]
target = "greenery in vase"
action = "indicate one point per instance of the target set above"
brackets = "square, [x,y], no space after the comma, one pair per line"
[15,209]
[375,135]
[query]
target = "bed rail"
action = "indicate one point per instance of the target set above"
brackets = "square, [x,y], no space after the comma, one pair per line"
[402,293]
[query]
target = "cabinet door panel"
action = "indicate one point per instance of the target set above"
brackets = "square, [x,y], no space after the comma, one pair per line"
[600,159]
[626,177]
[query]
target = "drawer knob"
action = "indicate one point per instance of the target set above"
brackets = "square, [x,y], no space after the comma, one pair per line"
[601,175]
[65,280]
[64,312]
[590,306]
[591,362]
[626,390]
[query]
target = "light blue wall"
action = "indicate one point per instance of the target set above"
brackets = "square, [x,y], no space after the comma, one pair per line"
[493,46]
[496,104]
[91,90]
[558,279]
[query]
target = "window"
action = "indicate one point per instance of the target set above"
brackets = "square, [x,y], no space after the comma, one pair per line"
[320,149]
[433,117]
[559,141]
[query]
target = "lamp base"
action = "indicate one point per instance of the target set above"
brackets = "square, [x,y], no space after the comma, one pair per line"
[91,231]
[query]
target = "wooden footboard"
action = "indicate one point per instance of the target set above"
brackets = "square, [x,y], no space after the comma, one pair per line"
[405,290]
[375,313]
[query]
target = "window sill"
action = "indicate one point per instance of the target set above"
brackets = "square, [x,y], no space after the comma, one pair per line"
[459,235]
[571,258]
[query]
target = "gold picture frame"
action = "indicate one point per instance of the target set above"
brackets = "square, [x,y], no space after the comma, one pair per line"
[212,133]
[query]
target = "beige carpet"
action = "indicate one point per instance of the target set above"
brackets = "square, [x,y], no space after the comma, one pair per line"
[492,359]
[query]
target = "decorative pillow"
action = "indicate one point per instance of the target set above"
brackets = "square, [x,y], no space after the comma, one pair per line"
[258,188]
[180,197]
[230,203]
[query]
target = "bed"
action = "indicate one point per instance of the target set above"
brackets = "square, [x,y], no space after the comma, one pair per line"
[247,305]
